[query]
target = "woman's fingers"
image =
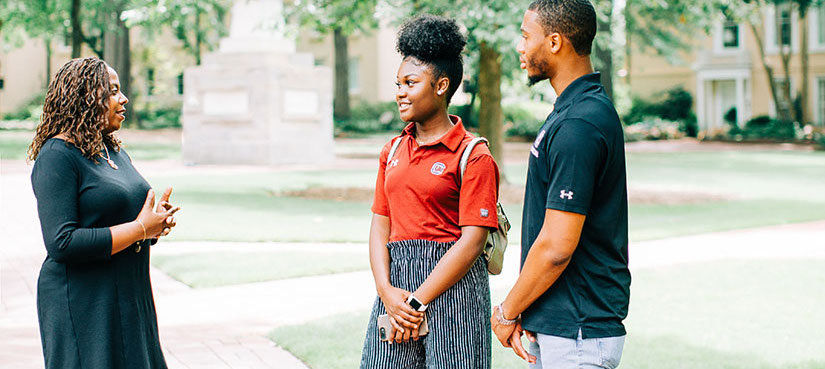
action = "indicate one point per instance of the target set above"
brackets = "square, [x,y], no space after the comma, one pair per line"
[164,198]
[172,211]
[412,313]
[399,335]
[170,222]
[405,319]
[406,337]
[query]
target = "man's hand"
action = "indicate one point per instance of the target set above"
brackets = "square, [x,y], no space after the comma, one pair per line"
[515,343]
[510,336]
[502,331]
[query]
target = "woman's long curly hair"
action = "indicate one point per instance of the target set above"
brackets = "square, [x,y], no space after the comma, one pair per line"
[76,105]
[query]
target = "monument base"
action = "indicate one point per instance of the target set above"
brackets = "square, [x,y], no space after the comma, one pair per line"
[262,108]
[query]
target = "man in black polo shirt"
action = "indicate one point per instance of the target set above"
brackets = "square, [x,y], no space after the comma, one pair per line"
[573,290]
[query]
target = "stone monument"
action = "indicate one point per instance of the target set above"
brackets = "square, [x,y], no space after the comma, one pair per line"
[256,101]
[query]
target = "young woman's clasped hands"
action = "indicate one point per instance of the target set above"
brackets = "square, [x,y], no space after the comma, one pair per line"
[403,317]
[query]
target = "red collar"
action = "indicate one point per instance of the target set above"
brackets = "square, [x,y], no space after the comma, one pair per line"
[451,140]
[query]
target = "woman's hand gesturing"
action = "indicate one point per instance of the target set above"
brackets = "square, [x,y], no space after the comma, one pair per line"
[158,221]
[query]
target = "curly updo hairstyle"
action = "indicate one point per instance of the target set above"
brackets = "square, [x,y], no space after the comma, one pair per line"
[76,104]
[437,42]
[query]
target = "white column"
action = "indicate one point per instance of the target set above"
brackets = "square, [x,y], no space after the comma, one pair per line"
[701,117]
[740,101]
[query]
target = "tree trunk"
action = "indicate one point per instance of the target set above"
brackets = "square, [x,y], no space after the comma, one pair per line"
[628,48]
[805,113]
[768,72]
[48,42]
[603,53]
[198,35]
[341,107]
[77,32]
[117,53]
[490,115]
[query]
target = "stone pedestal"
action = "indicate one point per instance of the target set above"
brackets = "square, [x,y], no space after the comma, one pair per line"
[256,101]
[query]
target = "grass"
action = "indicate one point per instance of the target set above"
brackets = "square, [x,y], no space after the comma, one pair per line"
[13,146]
[720,315]
[216,269]
[756,189]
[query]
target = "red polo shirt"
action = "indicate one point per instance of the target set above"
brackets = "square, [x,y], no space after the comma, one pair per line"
[419,189]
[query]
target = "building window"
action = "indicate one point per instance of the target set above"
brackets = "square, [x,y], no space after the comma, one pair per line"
[150,81]
[783,25]
[820,25]
[730,34]
[354,80]
[820,101]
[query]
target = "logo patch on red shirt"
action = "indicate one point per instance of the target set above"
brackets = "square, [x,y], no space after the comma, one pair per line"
[438,168]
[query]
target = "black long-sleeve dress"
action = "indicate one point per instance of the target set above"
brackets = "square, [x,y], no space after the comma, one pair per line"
[95,309]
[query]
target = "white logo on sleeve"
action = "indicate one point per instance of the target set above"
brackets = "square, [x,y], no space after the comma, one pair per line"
[438,168]
[566,195]
[484,213]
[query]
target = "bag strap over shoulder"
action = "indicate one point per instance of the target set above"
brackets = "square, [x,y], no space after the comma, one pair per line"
[465,157]
[395,144]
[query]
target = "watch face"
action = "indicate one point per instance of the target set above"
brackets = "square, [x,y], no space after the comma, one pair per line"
[415,304]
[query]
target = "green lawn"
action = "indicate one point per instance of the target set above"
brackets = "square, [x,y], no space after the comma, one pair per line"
[14,144]
[719,315]
[751,189]
[744,189]
[226,268]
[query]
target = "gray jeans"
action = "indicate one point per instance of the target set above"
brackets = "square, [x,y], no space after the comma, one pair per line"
[566,353]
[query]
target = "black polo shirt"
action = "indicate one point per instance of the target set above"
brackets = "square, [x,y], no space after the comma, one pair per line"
[577,164]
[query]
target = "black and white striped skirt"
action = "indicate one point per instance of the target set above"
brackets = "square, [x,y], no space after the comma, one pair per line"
[459,319]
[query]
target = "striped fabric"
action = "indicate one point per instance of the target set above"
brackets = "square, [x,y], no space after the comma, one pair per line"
[459,319]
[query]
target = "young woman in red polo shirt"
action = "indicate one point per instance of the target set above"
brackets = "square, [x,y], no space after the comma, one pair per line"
[429,225]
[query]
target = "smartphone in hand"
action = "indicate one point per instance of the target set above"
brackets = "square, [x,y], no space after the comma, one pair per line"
[386,331]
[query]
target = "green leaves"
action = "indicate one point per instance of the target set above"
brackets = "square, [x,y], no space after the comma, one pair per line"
[323,16]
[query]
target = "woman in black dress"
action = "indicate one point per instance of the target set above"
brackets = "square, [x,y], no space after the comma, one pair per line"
[97,214]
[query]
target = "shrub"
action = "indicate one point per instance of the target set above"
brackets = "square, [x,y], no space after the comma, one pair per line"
[819,139]
[370,118]
[764,127]
[154,116]
[468,114]
[653,129]
[31,110]
[520,123]
[673,105]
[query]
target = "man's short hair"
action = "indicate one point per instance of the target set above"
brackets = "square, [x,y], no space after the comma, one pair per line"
[574,19]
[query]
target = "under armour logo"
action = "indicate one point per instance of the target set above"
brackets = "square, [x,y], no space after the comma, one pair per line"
[566,195]
[393,163]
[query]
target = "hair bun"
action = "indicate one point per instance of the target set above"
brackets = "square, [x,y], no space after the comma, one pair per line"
[429,37]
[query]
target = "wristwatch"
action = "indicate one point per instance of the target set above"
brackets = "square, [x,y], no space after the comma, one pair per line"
[416,304]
